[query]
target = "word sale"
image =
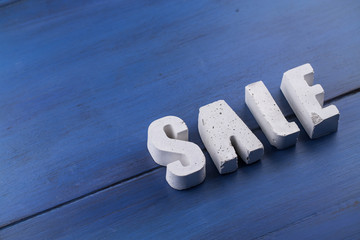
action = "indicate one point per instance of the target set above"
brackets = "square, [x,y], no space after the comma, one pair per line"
[225,135]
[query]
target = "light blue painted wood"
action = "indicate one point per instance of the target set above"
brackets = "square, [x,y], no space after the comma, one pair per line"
[80,81]
[308,191]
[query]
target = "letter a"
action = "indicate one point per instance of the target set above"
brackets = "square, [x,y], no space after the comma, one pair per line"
[225,135]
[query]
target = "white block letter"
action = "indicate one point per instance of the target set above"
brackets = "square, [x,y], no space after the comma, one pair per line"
[307,101]
[225,135]
[277,129]
[168,146]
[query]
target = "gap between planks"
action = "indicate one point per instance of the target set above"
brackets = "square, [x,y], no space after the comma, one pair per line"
[142,174]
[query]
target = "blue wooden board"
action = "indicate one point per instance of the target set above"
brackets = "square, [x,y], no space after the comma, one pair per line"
[310,191]
[80,81]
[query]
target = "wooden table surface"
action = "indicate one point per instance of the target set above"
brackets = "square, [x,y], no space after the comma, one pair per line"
[80,82]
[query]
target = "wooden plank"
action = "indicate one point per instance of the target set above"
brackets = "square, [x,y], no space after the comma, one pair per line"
[313,186]
[340,222]
[80,81]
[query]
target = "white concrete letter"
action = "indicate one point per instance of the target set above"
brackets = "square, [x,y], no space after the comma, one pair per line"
[307,101]
[277,129]
[168,146]
[225,135]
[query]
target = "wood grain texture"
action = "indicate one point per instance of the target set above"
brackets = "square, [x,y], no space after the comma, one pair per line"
[80,81]
[311,191]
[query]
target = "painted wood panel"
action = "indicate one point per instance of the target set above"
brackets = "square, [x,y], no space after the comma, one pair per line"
[80,81]
[308,191]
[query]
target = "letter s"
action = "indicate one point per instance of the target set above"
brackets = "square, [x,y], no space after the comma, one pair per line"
[168,146]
